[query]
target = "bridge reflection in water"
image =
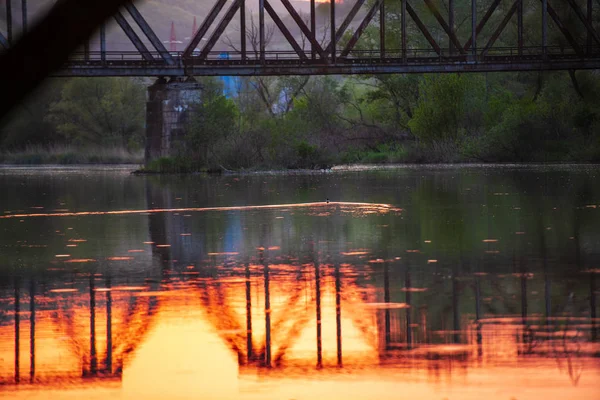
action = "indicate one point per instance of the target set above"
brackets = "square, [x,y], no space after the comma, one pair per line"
[296,307]
[279,313]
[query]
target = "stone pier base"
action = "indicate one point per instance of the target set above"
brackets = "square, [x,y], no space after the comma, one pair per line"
[168,112]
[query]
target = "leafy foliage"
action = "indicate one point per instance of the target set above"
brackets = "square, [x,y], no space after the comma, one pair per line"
[105,111]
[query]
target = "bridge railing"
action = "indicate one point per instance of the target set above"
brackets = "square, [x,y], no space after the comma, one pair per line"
[223,58]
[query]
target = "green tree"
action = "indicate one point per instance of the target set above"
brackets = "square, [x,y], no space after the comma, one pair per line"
[27,124]
[449,107]
[214,121]
[104,111]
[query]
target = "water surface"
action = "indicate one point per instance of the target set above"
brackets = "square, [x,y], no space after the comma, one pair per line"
[428,282]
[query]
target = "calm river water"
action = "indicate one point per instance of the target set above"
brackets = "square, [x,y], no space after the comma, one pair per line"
[415,282]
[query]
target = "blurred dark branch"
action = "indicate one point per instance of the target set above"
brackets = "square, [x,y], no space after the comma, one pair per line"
[47,46]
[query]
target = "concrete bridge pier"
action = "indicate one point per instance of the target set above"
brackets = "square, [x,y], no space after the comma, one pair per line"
[168,108]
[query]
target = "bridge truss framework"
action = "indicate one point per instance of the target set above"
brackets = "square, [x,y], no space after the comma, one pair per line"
[472,52]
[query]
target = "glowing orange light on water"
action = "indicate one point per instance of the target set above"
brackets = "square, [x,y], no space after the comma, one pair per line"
[354,253]
[197,209]
[119,258]
[80,260]
[63,290]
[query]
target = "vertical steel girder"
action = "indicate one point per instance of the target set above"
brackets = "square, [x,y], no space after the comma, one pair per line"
[474,26]
[520,27]
[332,29]
[210,18]
[403,30]
[261,28]
[243,29]
[288,35]
[313,28]
[24,15]
[139,19]
[135,39]
[544,26]
[451,25]
[382,29]
[589,22]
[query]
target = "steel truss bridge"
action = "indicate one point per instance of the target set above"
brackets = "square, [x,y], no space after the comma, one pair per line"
[569,40]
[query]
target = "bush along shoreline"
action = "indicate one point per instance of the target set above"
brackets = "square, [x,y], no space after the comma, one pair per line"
[67,155]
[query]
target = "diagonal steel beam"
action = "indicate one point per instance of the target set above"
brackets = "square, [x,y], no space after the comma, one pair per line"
[68,24]
[3,42]
[482,23]
[210,18]
[583,19]
[229,14]
[361,28]
[423,28]
[289,37]
[135,39]
[565,31]
[451,35]
[139,19]
[309,35]
[500,28]
[347,21]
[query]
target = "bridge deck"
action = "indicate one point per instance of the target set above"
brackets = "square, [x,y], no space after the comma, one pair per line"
[287,63]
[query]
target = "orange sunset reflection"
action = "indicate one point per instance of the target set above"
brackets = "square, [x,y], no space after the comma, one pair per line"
[272,331]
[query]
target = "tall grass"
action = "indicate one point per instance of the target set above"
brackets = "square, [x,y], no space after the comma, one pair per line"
[67,154]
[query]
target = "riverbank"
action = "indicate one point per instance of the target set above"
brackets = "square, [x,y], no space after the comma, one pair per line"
[66,155]
[401,153]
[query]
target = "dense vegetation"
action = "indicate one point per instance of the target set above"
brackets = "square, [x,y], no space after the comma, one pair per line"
[309,122]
